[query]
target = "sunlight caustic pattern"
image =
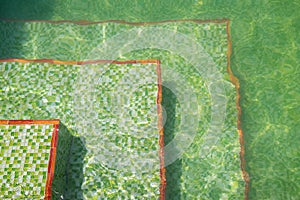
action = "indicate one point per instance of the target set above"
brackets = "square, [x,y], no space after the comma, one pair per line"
[48,89]
[200,117]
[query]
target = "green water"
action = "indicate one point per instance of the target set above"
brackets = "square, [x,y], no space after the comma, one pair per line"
[265,37]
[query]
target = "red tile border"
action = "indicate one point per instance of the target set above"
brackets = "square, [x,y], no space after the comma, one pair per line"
[19,122]
[85,22]
[78,62]
[163,181]
[51,165]
[236,83]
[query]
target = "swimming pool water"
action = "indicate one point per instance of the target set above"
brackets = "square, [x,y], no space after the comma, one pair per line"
[265,58]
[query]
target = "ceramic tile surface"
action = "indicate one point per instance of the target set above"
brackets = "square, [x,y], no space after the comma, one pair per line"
[25,160]
[202,139]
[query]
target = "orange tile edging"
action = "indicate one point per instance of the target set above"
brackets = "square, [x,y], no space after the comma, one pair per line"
[19,122]
[236,83]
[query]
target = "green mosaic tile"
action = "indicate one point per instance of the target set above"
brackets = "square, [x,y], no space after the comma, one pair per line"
[60,178]
[44,90]
[200,123]
[24,164]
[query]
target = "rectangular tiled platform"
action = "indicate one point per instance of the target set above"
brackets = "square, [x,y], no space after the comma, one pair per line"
[199,99]
[113,111]
[28,156]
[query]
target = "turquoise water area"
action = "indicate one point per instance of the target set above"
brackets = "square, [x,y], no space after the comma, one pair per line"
[265,58]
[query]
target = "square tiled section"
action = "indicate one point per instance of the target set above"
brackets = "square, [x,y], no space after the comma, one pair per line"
[110,109]
[27,158]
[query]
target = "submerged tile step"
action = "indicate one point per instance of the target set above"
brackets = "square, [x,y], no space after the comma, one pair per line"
[30,167]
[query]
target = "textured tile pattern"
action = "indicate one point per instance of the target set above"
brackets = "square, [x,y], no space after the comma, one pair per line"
[194,69]
[115,117]
[24,160]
